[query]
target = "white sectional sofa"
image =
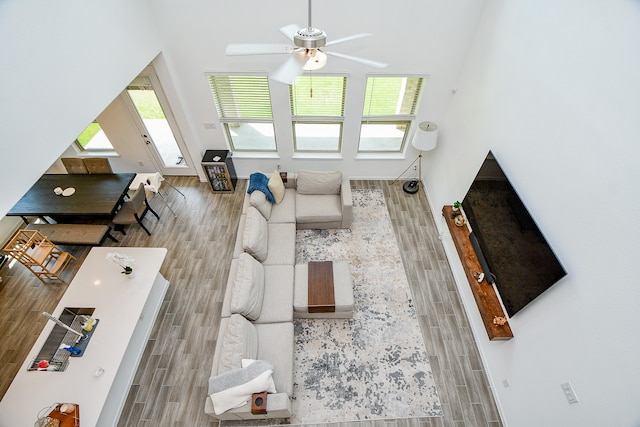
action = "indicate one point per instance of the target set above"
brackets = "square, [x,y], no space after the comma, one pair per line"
[257,310]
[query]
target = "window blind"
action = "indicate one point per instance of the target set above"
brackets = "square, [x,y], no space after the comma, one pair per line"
[392,96]
[318,96]
[241,97]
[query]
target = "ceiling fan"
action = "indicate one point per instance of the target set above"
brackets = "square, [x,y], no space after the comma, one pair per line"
[306,54]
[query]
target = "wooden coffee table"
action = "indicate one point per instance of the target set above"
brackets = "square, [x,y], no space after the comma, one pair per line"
[321,294]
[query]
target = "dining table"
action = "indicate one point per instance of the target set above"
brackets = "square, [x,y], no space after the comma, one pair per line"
[69,196]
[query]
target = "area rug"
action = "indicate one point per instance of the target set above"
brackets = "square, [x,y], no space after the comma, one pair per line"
[374,365]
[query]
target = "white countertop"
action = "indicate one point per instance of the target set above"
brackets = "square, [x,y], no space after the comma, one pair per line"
[119,303]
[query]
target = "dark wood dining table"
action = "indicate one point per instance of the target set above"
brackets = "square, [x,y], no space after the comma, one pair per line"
[95,197]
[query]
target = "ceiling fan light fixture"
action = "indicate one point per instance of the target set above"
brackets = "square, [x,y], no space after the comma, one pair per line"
[317,60]
[310,38]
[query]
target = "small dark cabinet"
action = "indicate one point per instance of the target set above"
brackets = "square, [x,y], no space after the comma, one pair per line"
[218,167]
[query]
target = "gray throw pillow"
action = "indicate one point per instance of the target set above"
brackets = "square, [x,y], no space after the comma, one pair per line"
[240,341]
[258,200]
[255,239]
[248,287]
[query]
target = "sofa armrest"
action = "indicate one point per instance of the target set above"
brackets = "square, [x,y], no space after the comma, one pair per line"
[278,406]
[346,201]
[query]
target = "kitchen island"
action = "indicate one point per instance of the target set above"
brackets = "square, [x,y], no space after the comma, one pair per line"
[98,381]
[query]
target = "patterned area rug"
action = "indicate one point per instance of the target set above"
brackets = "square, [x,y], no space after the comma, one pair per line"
[374,365]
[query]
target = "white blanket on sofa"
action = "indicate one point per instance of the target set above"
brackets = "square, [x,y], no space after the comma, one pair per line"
[233,388]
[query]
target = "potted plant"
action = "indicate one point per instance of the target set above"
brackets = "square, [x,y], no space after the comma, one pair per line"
[456,205]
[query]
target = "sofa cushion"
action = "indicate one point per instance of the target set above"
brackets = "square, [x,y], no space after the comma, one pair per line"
[282,244]
[277,303]
[312,182]
[255,238]
[318,208]
[258,200]
[248,288]
[278,347]
[240,341]
[276,186]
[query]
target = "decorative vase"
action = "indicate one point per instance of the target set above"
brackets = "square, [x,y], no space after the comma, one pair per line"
[129,273]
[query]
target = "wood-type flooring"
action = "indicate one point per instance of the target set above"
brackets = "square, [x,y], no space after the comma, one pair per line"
[170,385]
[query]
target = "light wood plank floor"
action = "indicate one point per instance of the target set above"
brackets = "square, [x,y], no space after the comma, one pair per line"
[171,383]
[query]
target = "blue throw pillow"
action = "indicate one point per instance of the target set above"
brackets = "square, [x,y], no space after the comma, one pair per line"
[259,181]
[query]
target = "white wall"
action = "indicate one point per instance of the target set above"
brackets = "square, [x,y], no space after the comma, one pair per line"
[553,89]
[61,65]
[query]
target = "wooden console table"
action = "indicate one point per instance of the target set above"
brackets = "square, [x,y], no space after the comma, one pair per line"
[484,293]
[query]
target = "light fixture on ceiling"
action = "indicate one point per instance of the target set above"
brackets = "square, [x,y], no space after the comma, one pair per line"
[317,60]
[425,139]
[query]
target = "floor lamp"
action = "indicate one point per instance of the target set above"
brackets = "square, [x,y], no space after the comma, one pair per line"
[425,139]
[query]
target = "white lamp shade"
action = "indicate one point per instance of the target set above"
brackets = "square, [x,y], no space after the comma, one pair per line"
[426,137]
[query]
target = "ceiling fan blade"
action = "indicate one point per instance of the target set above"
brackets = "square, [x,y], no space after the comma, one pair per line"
[289,31]
[368,62]
[290,69]
[257,49]
[348,38]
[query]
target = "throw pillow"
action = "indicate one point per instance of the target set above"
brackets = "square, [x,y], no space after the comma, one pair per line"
[311,182]
[248,288]
[258,200]
[240,341]
[276,186]
[255,238]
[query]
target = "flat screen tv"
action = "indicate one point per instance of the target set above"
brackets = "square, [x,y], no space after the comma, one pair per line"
[516,254]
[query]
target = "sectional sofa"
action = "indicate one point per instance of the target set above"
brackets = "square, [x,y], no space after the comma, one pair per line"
[257,310]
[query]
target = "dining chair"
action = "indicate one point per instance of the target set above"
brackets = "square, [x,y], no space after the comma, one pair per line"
[133,211]
[74,165]
[152,182]
[98,165]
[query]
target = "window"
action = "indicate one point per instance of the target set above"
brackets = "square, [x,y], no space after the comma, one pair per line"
[244,107]
[317,107]
[390,105]
[93,138]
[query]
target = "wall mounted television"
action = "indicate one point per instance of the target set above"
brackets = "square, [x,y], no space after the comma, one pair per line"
[516,254]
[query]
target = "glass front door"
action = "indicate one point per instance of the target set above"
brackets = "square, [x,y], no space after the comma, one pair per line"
[157,128]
